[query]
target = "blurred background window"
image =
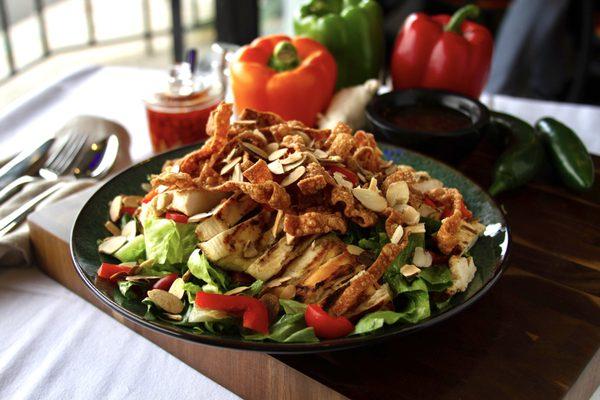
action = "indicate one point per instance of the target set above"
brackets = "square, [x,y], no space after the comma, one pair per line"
[546,49]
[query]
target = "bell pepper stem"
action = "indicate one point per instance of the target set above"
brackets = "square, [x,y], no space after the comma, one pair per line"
[468,11]
[284,57]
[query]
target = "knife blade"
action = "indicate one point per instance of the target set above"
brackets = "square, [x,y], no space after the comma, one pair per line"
[21,163]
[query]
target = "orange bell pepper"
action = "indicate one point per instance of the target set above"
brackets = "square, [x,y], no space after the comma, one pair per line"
[294,78]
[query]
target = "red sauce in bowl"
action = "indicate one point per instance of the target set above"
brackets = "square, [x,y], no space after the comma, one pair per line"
[427,118]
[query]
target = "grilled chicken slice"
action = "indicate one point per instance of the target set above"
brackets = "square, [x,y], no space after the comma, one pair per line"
[468,233]
[194,201]
[319,251]
[229,249]
[272,261]
[230,212]
[379,298]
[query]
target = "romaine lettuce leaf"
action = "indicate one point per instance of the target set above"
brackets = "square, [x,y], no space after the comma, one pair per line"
[417,308]
[291,328]
[133,250]
[292,306]
[216,280]
[168,242]
[393,276]
[437,278]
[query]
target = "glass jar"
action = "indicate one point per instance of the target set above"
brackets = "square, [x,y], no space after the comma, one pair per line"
[177,115]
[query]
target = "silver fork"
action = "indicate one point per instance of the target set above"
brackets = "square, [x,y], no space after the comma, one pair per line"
[55,166]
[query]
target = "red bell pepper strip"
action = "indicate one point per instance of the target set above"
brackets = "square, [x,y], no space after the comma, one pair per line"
[177,217]
[466,214]
[430,202]
[254,312]
[165,282]
[443,52]
[129,210]
[108,271]
[349,175]
[149,196]
[326,326]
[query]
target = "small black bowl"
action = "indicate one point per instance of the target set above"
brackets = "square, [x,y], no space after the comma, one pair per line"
[449,146]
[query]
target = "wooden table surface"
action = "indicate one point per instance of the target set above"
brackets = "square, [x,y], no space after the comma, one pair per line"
[531,337]
[535,335]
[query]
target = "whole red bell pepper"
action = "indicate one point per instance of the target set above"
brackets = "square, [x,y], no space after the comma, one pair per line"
[292,77]
[443,52]
[254,312]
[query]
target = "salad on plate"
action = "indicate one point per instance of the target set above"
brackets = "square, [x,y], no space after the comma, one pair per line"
[274,231]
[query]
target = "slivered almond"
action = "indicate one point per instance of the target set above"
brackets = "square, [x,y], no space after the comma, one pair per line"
[422,258]
[236,290]
[201,216]
[271,147]
[289,167]
[391,170]
[165,301]
[135,270]
[149,263]
[289,239]
[409,215]
[370,199]
[176,288]
[397,235]
[186,277]
[129,230]
[341,180]
[277,154]
[237,175]
[276,167]
[293,176]
[409,270]
[304,136]
[230,155]
[175,168]
[230,165]
[256,150]
[354,250]
[138,278]
[260,136]
[361,177]
[162,188]
[278,218]
[397,193]
[292,158]
[131,201]
[373,185]
[174,317]
[112,228]
[111,244]
[245,122]
[320,153]
[115,208]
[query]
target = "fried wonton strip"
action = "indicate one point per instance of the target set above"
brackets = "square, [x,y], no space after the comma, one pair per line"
[447,236]
[313,222]
[179,180]
[352,208]
[258,172]
[315,179]
[217,128]
[262,118]
[352,293]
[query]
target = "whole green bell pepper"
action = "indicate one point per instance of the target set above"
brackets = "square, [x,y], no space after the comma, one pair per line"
[352,30]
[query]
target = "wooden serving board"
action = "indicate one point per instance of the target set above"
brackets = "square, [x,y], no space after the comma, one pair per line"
[535,335]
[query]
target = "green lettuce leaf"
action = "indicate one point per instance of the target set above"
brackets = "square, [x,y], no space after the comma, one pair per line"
[417,308]
[216,280]
[290,328]
[191,289]
[437,278]
[168,242]
[393,276]
[133,250]
[292,306]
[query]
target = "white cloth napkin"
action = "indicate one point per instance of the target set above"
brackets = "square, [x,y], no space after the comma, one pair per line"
[15,249]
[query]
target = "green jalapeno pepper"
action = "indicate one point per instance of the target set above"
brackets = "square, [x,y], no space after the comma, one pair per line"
[523,158]
[568,154]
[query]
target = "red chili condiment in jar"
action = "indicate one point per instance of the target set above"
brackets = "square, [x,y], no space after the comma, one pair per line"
[178,115]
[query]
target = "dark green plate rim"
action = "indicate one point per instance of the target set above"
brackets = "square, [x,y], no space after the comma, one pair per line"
[410,157]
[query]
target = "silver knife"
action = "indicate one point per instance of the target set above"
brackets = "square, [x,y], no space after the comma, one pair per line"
[23,161]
